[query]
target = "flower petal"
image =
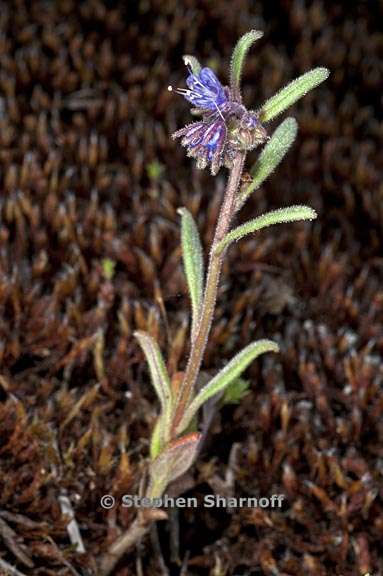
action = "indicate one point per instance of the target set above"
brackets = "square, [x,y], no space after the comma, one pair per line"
[205,90]
[210,80]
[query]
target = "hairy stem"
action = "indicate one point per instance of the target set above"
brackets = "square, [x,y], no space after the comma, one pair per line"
[141,526]
[210,295]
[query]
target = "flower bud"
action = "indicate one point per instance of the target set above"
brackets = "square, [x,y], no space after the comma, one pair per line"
[247,132]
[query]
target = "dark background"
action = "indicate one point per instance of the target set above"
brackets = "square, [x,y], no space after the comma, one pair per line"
[90,180]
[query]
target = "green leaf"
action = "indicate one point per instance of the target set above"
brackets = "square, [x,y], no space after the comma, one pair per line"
[241,49]
[157,439]
[292,92]
[193,262]
[235,391]
[229,373]
[174,461]
[290,214]
[157,368]
[272,154]
[192,62]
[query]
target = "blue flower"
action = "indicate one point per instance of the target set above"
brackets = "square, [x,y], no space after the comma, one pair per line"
[204,90]
[226,126]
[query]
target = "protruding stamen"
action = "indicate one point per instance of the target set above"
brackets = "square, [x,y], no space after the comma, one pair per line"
[181,91]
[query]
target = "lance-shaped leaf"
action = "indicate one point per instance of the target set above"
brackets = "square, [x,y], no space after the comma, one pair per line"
[193,63]
[177,457]
[291,93]
[231,371]
[239,54]
[290,214]
[159,374]
[193,262]
[271,155]
[158,436]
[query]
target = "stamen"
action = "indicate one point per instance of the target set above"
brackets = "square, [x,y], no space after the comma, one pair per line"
[181,91]
[218,110]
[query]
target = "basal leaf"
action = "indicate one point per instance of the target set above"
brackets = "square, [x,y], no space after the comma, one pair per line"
[193,262]
[290,214]
[291,93]
[157,368]
[157,439]
[231,371]
[173,461]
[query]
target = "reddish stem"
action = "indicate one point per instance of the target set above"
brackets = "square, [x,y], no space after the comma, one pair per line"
[210,295]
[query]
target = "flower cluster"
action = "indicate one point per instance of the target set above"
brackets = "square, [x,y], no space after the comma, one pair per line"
[226,126]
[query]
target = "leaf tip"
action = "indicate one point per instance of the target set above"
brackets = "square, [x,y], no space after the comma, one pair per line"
[323,71]
[270,346]
[305,212]
[291,124]
[312,214]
